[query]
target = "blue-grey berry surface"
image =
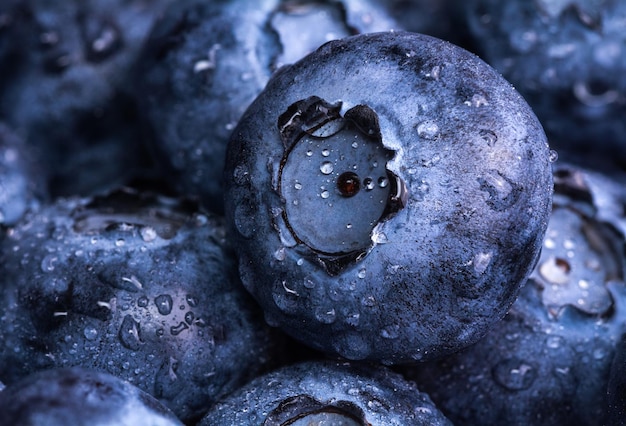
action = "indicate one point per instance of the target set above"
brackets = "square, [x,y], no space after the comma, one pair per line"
[387,195]
[327,393]
[80,397]
[136,284]
[549,361]
[568,60]
[205,63]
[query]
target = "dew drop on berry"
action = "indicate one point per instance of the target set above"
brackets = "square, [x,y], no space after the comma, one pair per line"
[326,167]
[163,303]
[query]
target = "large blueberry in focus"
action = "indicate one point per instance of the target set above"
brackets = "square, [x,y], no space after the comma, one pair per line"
[568,59]
[136,284]
[388,195]
[80,397]
[549,361]
[206,61]
[327,393]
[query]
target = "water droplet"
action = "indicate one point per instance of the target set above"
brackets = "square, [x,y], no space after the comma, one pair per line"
[488,136]
[177,329]
[599,353]
[514,374]
[143,301]
[119,242]
[326,167]
[554,342]
[368,184]
[325,315]
[503,193]
[189,317]
[390,332]
[428,130]
[325,153]
[383,181]
[297,185]
[355,144]
[191,301]
[481,261]
[48,263]
[325,194]
[163,303]
[90,333]
[555,270]
[148,233]
[130,333]
[309,153]
[245,214]
[553,156]
[362,273]
[280,254]
[241,176]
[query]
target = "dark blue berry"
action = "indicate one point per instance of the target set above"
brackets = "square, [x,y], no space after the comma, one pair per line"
[320,392]
[135,284]
[432,244]
[567,59]
[77,397]
[205,63]
[548,362]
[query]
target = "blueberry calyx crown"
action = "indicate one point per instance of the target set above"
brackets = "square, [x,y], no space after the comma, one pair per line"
[151,213]
[333,180]
[303,410]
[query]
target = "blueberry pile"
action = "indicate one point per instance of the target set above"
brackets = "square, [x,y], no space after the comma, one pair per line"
[313,212]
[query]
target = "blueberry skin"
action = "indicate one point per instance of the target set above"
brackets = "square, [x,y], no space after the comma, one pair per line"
[549,361]
[136,284]
[66,89]
[468,184]
[567,59]
[205,63]
[617,386]
[22,185]
[78,396]
[327,391]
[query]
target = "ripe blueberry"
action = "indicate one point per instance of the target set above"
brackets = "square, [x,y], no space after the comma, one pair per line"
[431,246]
[548,361]
[206,62]
[567,59]
[325,392]
[78,396]
[135,284]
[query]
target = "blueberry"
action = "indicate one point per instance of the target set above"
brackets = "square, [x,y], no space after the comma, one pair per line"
[567,59]
[67,89]
[136,284]
[617,386]
[431,247]
[327,393]
[205,63]
[21,182]
[548,362]
[78,396]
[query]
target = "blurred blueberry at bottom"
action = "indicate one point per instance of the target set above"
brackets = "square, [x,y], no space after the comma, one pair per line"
[77,397]
[549,361]
[327,393]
